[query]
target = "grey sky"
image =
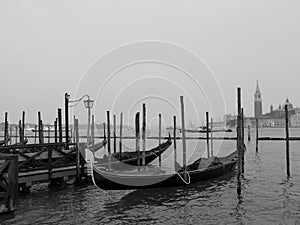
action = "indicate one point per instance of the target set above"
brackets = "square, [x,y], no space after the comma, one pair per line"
[46,46]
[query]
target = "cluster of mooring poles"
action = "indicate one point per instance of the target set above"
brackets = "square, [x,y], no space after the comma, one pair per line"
[287,139]
[138,136]
[19,159]
[39,131]
[20,140]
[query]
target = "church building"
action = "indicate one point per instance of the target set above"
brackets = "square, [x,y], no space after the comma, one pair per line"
[257,102]
[273,118]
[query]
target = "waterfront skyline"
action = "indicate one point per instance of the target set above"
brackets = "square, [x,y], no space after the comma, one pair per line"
[45,53]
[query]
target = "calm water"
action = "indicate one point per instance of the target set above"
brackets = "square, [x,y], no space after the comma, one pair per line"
[268,197]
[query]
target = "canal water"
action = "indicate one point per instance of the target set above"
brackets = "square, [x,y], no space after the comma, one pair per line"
[268,196]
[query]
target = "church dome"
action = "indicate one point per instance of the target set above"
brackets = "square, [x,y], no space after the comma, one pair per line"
[287,102]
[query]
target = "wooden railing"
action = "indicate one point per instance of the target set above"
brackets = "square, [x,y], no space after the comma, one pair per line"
[8,182]
[43,156]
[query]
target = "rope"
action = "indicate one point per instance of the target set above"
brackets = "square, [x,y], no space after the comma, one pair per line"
[189,180]
[92,173]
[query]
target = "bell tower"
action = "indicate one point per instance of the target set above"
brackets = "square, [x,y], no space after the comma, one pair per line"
[257,102]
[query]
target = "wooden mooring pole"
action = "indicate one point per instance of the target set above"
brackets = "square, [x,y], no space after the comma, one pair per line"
[256,123]
[121,129]
[23,126]
[287,141]
[137,137]
[67,96]
[239,141]
[207,134]
[60,136]
[104,131]
[50,165]
[55,130]
[249,137]
[242,125]
[35,132]
[243,139]
[6,129]
[108,140]
[115,137]
[93,130]
[175,150]
[211,137]
[183,138]
[144,134]
[159,137]
[20,131]
[41,129]
[74,135]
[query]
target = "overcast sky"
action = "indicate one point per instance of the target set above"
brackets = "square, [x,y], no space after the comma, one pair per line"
[48,48]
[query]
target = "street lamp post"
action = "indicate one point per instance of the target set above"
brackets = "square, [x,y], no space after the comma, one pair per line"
[88,104]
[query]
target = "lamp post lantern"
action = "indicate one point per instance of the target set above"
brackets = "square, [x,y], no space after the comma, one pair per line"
[88,104]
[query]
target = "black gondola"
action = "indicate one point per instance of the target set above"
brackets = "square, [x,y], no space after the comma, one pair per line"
[155,177]
[4,142]
[131,158]
[98,146]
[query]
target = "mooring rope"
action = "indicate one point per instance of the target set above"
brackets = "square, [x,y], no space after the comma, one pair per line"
[184,179]
[92,173]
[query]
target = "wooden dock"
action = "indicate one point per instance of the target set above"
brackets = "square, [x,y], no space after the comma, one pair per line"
[49,162]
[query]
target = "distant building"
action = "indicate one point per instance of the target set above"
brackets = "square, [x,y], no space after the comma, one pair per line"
[295,119]
[227,117]
[274,118]
[257,102]
[229,120]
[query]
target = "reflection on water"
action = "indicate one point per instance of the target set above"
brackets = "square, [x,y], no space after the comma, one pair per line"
[268,197]
[167,196]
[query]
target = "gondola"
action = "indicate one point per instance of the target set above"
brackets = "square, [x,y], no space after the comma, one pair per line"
[7,150]
[98,146]
[131,158]
[23,142]
[157,177]
[93,147]
[3,142]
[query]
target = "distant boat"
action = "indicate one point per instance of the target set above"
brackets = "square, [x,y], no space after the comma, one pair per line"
[28,129]
[47,128]
[203,129]
[172,128]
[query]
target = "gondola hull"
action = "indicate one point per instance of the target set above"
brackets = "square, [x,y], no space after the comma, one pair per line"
[111,181]
[132,160]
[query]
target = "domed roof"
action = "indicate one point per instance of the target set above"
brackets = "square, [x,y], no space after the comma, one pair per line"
[287,102]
